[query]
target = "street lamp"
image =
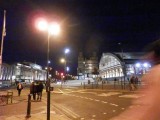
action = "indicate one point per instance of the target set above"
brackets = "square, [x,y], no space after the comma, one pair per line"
[66,51]
[52,29]
[123,63]
[63,60]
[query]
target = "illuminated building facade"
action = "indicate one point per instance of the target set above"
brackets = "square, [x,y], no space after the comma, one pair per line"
[116,65]
[87,67]
[23,72]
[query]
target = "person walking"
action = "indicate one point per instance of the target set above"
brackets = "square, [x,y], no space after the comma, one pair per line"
[19,88]
[136,82]
[40,90]
[32,90]
[132,80]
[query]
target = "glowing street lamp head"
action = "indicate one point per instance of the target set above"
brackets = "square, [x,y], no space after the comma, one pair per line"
[49,61]
[54,29]
[63,60]
[67,51]
[138,65]
[146,65]
[67,68]
[42,24]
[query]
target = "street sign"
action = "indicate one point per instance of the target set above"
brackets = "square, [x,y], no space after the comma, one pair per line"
[51,88]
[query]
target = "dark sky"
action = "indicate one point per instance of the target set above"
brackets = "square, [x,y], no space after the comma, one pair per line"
[87,25]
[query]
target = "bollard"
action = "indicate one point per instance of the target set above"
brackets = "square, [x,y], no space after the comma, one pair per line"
[29,107]
[92,85]
[102,85]
[97,85]
[84,85]
[114,84]
[61,84]
[9,96]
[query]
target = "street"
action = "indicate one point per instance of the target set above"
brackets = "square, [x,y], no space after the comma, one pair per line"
[92,104]
[73,104]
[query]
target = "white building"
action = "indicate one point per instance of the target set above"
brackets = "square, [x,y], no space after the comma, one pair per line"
[116,65]
[27,71]
[24,72]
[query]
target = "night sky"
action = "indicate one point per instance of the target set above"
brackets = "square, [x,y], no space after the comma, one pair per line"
[87,26]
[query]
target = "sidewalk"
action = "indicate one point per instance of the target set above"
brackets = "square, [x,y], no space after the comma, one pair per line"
[37,116]
[18,109]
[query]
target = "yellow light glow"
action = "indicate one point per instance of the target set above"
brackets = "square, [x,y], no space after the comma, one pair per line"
[42,25]
[62,60]
[54,29]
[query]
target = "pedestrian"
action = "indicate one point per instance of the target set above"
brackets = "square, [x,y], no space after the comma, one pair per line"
[32,90]
[19,88]
[115,80]
[40,90]
[147,107]
[132,80]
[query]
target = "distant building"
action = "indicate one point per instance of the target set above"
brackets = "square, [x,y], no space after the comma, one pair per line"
[27,71]
[22,72]
[122,65]
[87,67]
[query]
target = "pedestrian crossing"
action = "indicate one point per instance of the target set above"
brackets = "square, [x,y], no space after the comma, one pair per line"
[101,94]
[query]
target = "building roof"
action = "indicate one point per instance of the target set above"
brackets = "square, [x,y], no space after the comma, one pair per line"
[128,57]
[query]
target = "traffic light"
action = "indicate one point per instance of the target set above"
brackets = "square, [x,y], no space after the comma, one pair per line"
[61,74]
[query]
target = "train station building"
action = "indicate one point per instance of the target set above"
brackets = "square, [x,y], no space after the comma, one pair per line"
[117,65]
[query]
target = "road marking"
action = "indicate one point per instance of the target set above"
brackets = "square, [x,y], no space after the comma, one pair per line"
[45,112]
[131,96]
[90,99]
[104,102]
[109,94]
[88,92]
[86,98]
[60,91]
[67,111]
[97,100]
[131,106]
[104,113]
[122,108]
[64,109]
[114,104]
[114,110]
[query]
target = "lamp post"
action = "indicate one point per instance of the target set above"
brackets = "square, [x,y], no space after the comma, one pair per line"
[65,53]
[63,60]
[123,63]
[54,29]
[84,70]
